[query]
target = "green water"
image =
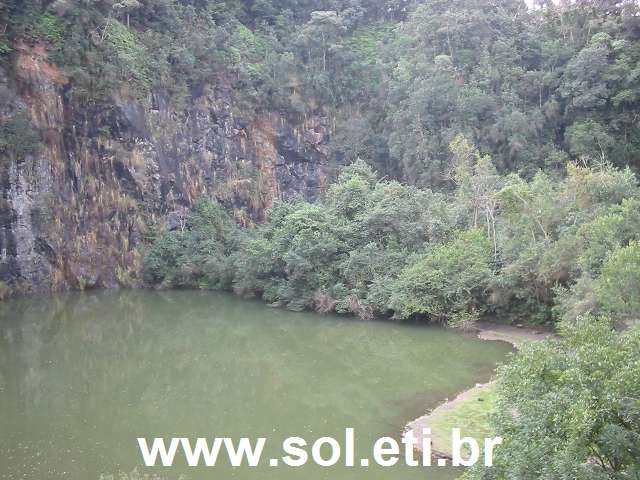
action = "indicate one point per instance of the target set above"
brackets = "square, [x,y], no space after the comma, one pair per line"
[83,375]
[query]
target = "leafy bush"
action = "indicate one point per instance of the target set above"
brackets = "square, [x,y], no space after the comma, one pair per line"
[618,286]
[607,232]
[569,408]
[197,254]
[448,283]
[129,56]
[49,27]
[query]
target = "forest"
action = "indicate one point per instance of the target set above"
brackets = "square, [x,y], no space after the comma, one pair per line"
[486,155]
[400,79]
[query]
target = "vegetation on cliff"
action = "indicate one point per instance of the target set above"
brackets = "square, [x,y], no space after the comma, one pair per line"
[399,78]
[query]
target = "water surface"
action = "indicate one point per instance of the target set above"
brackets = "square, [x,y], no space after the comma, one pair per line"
[83,375]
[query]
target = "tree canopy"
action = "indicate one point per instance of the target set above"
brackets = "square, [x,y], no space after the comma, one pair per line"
[533,88]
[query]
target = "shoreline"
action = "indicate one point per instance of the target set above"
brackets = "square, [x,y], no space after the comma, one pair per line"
[516,336]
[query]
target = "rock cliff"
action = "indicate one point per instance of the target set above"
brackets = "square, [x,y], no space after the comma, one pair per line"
[76,211]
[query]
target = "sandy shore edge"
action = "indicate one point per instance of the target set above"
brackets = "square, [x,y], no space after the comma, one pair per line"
[514,335]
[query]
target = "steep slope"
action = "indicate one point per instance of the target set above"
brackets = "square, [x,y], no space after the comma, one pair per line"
[75,211]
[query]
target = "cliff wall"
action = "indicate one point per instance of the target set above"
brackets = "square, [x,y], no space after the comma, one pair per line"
[75,212]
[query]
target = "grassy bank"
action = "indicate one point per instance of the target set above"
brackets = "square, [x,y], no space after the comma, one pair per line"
[471,409]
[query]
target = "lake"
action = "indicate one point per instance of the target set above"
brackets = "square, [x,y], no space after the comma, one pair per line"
[82,375]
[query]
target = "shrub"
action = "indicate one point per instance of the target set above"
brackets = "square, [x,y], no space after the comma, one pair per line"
[568,408]
[618,286]
[448,283]
[48,27]
[18,138]
[197,256]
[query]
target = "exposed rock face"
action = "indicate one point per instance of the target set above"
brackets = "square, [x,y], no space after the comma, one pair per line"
[75,214]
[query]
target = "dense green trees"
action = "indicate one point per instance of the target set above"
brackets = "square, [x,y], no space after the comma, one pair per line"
[530,87]
[401,78]
[569,408]
[500,247]
[196,253]
[449,282]
[339,254]
[618,286]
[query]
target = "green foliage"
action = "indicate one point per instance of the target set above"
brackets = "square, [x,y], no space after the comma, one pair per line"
[448,283]
[618,286]
[48,27]
[18,138]
[344,253]
[516,250]
[197,253]
[589,140]
[606,233]
[569,408]
[129,56]
[550,237]
[366,40]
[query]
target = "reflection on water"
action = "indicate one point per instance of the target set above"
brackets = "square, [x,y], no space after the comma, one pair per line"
[83,375]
